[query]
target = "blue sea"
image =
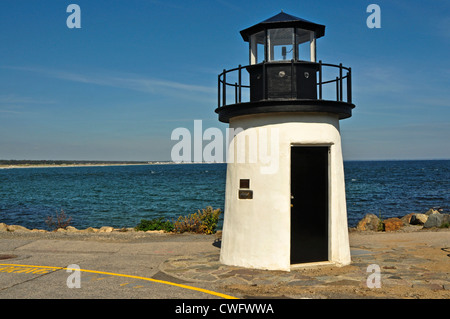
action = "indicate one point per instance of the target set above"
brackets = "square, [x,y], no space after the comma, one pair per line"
[120,196]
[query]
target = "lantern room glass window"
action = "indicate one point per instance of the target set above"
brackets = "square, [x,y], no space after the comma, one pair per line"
[257,43]
[280,44]
[303,39]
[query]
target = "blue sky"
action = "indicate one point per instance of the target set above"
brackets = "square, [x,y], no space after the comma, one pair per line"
[138,69]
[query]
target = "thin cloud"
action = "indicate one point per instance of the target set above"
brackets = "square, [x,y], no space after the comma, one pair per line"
[124,81]
[11,112]
[381,80]
[20,100]
[14,104]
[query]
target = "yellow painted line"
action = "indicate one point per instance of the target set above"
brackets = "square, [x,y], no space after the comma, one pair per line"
[210,292]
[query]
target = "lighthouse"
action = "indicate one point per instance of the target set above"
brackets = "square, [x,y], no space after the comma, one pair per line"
[285,203]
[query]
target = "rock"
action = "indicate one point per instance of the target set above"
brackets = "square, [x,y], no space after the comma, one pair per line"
[431,211]
[17,228]
[446,219]
[105,229]
[60,230]
[35,230]
[418,219]
[125,230]
[391,224]
[3,227]
[407,219]
[155,231]
[90,230]
[369,222]
[71,229]
[436,220]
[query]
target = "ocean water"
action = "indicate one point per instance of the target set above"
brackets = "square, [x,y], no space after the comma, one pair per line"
[120,196]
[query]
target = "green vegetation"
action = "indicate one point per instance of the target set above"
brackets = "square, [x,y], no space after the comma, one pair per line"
[155,224]
[202,222]
[445,225]
[380,226]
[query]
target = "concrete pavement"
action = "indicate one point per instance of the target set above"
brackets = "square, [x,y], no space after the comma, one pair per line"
[119,266]
[412,264]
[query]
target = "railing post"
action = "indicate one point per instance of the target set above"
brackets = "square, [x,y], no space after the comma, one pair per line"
[340,81]
[224,88]
[240,83]
[235,93]
[337,89]
[264,80]
[349,85]
[320,79]
[218,91]
[292,79]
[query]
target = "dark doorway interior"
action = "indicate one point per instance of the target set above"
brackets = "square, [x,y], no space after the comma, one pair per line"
[309,204]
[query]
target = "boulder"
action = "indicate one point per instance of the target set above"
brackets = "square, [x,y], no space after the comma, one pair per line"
[71,229]
[35,230]
[90,230]
[369,222]
[436,220]
[155,231]
[391,224]
[431,211]
[3,227]
[418,219]
[446,219]
[17,228]
[407,219]
[105,229]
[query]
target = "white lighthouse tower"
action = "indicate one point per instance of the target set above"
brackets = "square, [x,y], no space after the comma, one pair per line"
[285,192]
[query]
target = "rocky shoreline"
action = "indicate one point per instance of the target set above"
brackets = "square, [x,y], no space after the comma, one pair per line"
[433,218]
[70,229]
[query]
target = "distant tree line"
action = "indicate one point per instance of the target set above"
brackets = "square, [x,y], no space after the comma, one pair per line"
[64,162]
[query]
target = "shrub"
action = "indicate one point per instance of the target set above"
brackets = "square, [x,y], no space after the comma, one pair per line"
[155,224]
[202,222]
[60,221]
[190,223]
[209,218]
[380,226]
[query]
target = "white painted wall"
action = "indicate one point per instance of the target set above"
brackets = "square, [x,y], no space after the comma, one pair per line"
[256,232]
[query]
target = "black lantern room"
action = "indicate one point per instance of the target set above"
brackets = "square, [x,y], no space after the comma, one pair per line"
[283,74]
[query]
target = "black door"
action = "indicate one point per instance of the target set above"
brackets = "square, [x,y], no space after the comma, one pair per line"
[309,204]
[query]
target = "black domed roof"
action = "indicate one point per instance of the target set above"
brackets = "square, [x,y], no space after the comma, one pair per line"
[284,20]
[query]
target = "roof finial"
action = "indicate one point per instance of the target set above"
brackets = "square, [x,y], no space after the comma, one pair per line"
[281,10]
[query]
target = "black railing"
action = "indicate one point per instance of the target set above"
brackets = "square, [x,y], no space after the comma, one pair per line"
[222,86]
[238,85]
